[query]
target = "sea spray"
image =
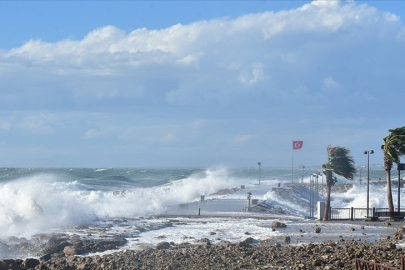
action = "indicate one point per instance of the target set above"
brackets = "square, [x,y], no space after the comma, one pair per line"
[36,203]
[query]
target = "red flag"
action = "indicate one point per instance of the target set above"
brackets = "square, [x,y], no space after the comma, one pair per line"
[297,145]
[331,149]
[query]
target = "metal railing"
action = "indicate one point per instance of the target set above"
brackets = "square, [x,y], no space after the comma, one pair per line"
[360,264]
[340,213]
[361,213]
[351,213]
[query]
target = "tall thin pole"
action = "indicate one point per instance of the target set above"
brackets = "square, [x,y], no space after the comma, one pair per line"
[368,180]
[399,188]
[310,196]
[368,152]
[302,178]
[292,165]
[259,163]
[322,184]
[360,177]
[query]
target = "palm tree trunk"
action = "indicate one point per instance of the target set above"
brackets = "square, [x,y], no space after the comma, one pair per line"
[389,195]
[329,183]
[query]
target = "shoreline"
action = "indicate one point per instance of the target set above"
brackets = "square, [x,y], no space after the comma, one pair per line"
[248,253]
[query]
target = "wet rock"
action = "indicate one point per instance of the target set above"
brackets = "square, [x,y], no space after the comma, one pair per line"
[72,250]
[277,224]
[162,245]
[45,257]
[351,229]
[30,263]
[317,230]
[387,224]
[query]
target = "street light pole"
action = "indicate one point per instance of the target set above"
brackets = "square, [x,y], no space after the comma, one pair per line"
[368,152]
[401,167]
[302,178]
[259,163]
[360,177]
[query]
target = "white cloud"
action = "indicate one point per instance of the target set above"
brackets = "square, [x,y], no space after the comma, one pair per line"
[206,62]
[276,68]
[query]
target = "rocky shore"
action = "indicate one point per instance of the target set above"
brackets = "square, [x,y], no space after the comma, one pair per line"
[247,254]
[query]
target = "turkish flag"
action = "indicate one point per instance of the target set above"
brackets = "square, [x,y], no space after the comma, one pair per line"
[297,145]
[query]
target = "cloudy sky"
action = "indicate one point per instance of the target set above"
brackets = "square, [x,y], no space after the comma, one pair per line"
[205,83]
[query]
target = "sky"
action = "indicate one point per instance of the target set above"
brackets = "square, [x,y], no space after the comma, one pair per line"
[198,83]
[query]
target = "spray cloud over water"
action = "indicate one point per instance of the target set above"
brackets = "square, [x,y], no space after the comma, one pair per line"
[40,202]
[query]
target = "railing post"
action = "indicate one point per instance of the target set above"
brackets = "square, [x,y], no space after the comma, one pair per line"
[351,213]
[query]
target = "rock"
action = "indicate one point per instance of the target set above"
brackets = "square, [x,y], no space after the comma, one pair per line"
[317,230]
[398,235]
[287,239]
[387,224]
[400,229]
[45,257]
[350,229]
[361,227]
[310,246]
[162,245]
[277,224]
[72,250]
[391,246]
[30,263]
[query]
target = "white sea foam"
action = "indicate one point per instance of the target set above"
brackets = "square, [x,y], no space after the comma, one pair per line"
[37,203]
[45,201]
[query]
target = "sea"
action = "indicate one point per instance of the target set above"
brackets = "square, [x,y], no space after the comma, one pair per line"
[47,200]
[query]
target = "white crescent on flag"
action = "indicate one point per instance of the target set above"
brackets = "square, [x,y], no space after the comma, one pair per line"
[297,145]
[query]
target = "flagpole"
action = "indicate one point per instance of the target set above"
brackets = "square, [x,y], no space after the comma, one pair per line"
[292,164]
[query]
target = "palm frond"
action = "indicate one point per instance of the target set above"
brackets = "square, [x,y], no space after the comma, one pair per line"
[341,163]
[394,144]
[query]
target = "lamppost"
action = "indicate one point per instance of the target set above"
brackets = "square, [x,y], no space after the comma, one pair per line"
[322,185]
[259,163]
[316,197]
[302,178]
[368,152]
[360,177]
[401,167]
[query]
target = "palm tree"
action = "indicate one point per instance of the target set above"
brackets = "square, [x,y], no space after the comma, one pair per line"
[341,163]
[393,148]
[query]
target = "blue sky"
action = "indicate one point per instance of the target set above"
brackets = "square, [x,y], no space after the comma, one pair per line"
[197,83]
